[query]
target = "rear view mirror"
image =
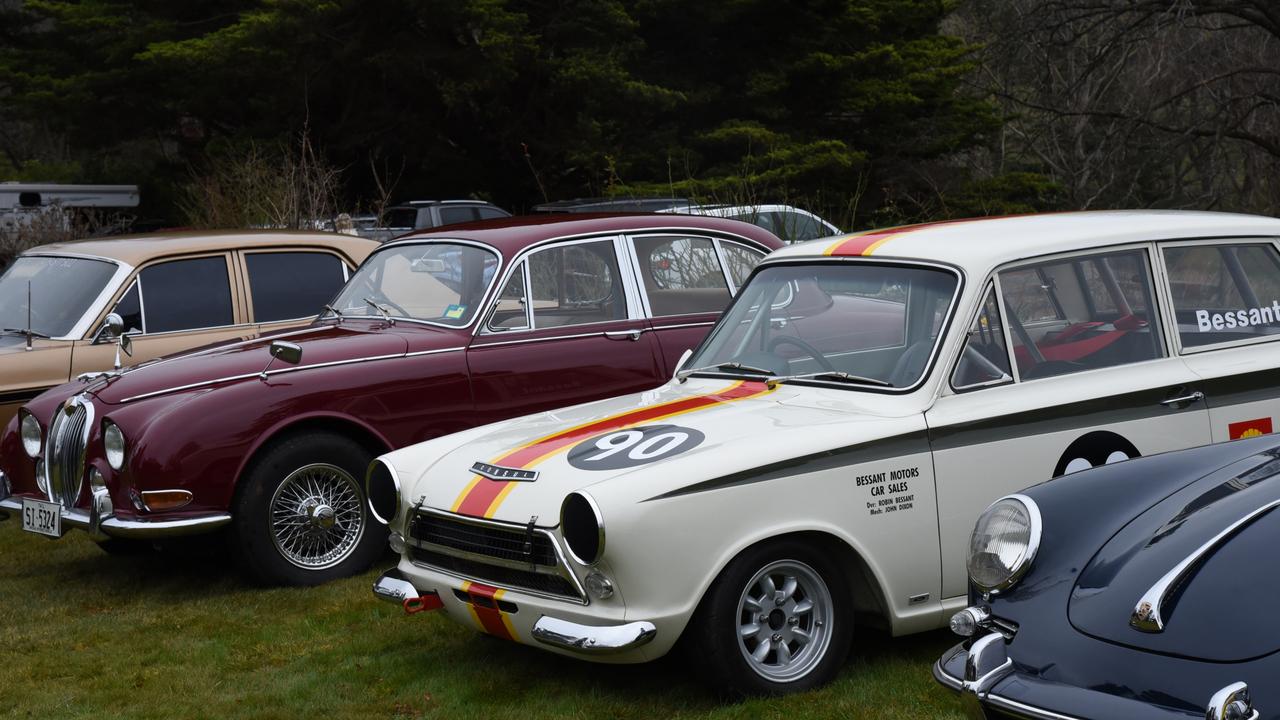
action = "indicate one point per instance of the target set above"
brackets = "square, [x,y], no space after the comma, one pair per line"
[428,265]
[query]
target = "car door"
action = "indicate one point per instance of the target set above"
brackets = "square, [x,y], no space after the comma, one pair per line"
[1225,297]
[170,306]
[566,329]
[686,282]
[286,288]
[1065,366]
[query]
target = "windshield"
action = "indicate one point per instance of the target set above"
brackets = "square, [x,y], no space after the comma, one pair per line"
[441,283]
[857,324]
[62,289]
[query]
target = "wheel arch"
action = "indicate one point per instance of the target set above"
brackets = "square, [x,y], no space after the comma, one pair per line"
[347,426]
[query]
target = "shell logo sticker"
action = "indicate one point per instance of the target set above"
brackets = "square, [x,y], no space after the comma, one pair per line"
[1249,428]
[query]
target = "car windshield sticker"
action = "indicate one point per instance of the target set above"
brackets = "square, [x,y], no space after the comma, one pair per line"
[633,447]
[1250,317]
[481,498]
[1249,428]
[454,312]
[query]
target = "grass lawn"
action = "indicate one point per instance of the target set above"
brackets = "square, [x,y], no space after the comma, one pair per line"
[84,634]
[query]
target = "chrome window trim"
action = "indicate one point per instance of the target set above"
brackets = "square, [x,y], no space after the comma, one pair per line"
[83,326]
[690,234]
[487,328]
[944,331]
[286,370]
[734,287]
[484,299]
[562,568]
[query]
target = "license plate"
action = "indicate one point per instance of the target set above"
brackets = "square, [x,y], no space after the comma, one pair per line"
[44,518]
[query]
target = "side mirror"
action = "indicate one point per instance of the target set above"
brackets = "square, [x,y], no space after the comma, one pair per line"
[114,326]
[680,363]
[286,352]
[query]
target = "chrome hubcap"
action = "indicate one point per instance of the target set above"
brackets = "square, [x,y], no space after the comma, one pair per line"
[317,518]
[784,621]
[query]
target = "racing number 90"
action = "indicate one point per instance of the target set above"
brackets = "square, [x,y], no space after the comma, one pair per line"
[634,446]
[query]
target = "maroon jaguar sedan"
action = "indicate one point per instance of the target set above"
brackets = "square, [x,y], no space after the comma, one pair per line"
[268,438]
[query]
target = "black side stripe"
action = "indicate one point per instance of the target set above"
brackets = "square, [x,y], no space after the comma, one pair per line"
[22,396]
[881,449]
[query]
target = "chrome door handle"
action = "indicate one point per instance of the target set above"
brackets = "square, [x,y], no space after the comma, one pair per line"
[631,335]
[1196,396]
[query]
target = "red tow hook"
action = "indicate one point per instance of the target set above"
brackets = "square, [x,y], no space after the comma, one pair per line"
[425,603]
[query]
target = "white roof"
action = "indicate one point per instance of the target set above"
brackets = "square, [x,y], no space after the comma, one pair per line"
[980,244]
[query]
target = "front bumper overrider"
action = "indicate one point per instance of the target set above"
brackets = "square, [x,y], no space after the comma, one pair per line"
[987,679]
[101,521]
[394,587]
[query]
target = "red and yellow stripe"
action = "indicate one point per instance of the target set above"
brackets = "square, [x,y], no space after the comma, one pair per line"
[482,497]
[484,610]
[867,242]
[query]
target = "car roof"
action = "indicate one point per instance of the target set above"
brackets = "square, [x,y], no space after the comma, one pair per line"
[511,235]
[138,249]
[980,244]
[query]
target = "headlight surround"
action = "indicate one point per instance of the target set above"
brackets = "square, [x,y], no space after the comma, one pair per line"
[114,443]
[1004,544]
[32,435]
[583,528]
[382,488]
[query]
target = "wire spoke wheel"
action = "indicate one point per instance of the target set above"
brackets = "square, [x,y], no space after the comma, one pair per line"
[316,516]
[784,621]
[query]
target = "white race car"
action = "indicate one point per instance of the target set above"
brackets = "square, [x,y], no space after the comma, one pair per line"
[823,455]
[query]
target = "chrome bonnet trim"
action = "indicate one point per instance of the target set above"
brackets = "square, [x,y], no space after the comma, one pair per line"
[287,370]
[1148,614]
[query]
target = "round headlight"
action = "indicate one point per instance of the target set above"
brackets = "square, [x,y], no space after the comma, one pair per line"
[382,487]
[583,528]
[1004,543]
[113,440]
[32,435]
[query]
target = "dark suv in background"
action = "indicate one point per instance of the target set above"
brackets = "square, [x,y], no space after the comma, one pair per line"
[424,214]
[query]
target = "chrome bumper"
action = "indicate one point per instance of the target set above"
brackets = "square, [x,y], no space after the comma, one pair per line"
[101,523]
[393,587]
[590,639]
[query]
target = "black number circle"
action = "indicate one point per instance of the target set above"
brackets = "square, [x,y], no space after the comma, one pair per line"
[633,447]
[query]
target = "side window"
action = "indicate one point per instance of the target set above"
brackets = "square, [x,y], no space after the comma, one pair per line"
[1223,293]
[985,359]
[187,295]
[130,310]
[1080,313]
[452,215]
[488,213]
[681,275]
[289,286]
[798,227]
[576,284]
[741,261]
[510,311]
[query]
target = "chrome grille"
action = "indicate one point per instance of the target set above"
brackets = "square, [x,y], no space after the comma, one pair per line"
[522,558]
[64,461]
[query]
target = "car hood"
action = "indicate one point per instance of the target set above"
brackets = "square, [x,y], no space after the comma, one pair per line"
[680,438]
[245,359]
[1222,610]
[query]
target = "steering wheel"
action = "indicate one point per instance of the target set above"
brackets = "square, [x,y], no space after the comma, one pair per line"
[809,349]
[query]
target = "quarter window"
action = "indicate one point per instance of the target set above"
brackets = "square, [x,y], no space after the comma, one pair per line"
[130,310]
[1080,313]
[288,286]
[576,284]
[510,313]
[681,275]
[740,261]
[187,295]
[985,359]
[1223,293]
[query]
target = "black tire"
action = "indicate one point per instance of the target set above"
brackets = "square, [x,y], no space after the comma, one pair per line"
[713,643]
[340,459]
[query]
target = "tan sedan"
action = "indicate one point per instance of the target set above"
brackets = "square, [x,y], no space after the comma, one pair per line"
[175,291]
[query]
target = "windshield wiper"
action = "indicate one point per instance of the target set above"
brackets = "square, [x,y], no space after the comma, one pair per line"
[331,309]
[684,374]
[833,375]
[22,332]
[386,316]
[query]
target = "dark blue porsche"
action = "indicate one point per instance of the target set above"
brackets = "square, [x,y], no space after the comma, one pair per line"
[1143,589]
